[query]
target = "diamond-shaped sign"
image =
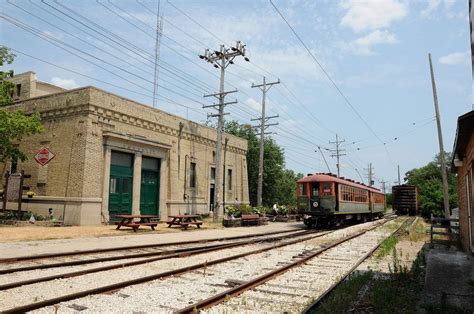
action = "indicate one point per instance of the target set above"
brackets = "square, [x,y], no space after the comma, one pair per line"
[43,156]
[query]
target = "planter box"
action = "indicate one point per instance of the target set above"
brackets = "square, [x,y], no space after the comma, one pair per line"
[236,222]
[41,223]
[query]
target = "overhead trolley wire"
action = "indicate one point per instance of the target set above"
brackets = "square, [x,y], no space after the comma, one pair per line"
[326,73]
[122,42]
[102,81]
[54,42]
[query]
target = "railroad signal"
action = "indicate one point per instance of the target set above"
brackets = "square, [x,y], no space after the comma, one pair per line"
[44,156]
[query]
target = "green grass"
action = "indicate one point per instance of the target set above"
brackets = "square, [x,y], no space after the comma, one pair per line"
[398,292]
[345,294]
[387,246]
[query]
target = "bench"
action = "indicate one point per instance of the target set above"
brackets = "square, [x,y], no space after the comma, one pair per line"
[136,225]
[250,219]
[184,221]
[145,220]
[185,224]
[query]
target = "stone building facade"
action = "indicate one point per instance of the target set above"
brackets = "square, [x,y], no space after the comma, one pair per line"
[114,155]
[463,162]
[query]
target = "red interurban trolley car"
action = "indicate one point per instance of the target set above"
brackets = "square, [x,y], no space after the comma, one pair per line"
[324,199]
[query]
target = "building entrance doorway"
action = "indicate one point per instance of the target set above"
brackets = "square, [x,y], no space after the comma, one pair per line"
[121,183]
[211,198]
[150,186]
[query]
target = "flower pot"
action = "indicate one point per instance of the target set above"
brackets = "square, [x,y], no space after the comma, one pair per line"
[30,196]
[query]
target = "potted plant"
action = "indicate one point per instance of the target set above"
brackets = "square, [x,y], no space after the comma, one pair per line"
[30,194]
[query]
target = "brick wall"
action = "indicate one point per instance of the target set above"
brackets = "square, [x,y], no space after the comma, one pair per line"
[74,124]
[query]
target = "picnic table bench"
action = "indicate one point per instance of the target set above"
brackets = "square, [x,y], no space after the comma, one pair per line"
[250,219]
[144,220]
[184,221]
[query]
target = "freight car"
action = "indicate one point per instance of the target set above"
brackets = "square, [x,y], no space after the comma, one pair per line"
[325,199]
[405,199]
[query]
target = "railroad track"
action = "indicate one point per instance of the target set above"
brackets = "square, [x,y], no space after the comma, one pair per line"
[239,247]
[291,287]
[169,247]
[179,283]
[175,253]
[63,259]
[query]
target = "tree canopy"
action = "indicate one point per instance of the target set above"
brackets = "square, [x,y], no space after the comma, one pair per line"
[430,187]
[279,184]
[14,125]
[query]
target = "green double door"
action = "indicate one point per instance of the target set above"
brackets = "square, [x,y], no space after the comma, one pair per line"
[121,185]
[149,189]
[150,186]
[120,191]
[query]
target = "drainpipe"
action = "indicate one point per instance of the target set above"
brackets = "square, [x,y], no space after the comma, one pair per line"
[180,134]
[223,176]
[185,196]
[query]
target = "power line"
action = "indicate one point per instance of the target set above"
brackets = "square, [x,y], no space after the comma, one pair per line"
[120,41]
[104,82]
[326,73]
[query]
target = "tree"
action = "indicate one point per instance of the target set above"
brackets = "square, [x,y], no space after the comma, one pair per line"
[6,87]
[429,183]
[279,184]
[14,125]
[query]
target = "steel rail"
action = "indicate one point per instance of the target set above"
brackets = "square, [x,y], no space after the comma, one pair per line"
[143,246]
[127,256]
[123,284]
[207,249]
[313,305]
[219,298]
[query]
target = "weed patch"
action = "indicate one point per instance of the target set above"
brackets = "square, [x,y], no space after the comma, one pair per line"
[387,246]
[344,295]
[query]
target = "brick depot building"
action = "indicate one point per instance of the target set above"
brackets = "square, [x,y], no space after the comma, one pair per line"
[114,155]
[463,161]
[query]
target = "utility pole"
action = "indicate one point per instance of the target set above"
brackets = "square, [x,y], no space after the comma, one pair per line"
[324,158]
[264,87]
[383,189]
[221,59]
[370,174]
[159,31]
[399,181]
[441,146]
[337,153]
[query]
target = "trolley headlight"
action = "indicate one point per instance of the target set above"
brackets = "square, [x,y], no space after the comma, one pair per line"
[315,204]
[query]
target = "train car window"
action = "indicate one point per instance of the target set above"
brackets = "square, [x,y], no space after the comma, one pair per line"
[301,189]
[326,188]
[315,189]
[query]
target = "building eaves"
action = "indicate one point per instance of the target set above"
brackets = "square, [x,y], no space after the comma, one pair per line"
[464,131]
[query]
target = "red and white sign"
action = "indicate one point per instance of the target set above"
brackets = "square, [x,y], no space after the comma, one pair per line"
[43,156]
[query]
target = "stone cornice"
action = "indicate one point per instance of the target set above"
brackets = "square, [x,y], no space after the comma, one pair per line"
[84,101]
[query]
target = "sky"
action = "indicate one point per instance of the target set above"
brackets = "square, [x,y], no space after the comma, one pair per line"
[369,81]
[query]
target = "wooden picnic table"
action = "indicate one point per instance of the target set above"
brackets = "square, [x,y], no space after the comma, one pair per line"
[184,221]
[145,220]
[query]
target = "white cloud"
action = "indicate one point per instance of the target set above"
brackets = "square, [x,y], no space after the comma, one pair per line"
[434,5]
[252,103]
[64,83]
[363,45]
[372,14]
[456,58]
[430,9]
